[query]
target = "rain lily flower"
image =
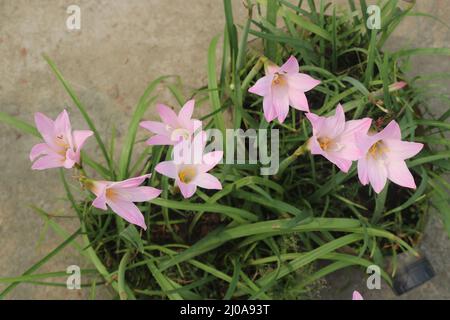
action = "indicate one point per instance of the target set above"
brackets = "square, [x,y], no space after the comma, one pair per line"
[357,296]
[190,174]
[61,147]
[334,138]
[174,128]
[119,196]
[383,157]
[282,87]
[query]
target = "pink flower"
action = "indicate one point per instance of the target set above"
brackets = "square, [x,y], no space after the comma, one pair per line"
[281,87]
[190,173]
[357,296]
[334,138]
[119,196]
[383,157]
[61,147]
[174,128]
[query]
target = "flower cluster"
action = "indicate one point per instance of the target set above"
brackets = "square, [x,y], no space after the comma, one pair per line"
[62,147]
[381,156]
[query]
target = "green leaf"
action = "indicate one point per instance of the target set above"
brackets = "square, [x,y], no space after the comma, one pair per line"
[305,24]
[19,124]
[132,236]
[212,86]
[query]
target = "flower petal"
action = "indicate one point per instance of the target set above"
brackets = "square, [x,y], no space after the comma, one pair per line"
[140,194]
[130,183]
[399,173]
[167,115]
[208,181]
[128,211]
[159,140]
[290,66]
[391,131]
[358,127]
[38,150]
[71,158]
[297,100]
[80,136]
[269,109]
[187,190]
[44,124]
[343,164]
[280,100]
[334,125]
[377,173]
[46,128]
[48,162]
[316,122]
[357,296]
[100,201]
[62,123]
[210,160]
[167,168]
[262,86]
[402,150]
[302,82]
[155,127]
[362,171]
[185,114]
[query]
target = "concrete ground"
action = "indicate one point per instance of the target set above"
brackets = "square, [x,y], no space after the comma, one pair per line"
[121,47]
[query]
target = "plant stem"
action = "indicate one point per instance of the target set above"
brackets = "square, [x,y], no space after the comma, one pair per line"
[288,161]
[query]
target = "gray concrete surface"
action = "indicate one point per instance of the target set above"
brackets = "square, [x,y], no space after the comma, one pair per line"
[122,45]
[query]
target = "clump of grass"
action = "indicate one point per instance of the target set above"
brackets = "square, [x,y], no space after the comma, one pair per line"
[261,237]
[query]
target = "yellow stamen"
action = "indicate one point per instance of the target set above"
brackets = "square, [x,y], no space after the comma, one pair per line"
[60,141]
[278,79]
[377,149]
[324,143]
[111,194]
[187,174]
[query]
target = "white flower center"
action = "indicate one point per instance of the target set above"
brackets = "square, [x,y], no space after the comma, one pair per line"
[377,150]
[187,174]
